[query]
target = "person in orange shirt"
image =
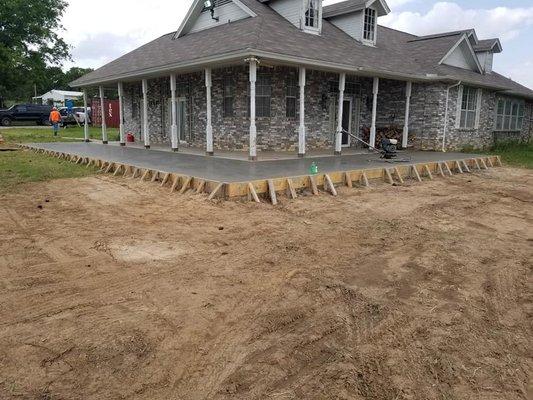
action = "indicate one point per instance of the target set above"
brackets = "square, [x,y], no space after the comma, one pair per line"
[55,119]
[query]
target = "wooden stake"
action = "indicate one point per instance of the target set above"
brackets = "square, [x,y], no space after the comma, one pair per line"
[109,168]
[414,169]
[348,179]
[186,185]
[448,168]
[272,191]
[458,165]
[330,185]
[388,176]
[165,179]
[118,169]
[441,171]
[145,175]
[312,183]
[466,166]
[214,192]
[364,179]
[135,172]
[201,187]
[499,161]
[397,171]
[477,164]
[155,175]
[490,162]
[428,172]
[253,192]
[292,191]
[175,183]
[484,164]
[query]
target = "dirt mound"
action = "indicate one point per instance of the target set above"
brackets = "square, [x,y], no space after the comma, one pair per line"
[114,289]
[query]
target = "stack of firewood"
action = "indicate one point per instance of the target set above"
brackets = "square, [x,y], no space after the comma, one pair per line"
[389,132]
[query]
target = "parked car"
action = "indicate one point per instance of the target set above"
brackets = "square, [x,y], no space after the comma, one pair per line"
[25,113]
[76,116]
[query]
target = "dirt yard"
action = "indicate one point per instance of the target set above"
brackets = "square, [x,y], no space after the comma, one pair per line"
[114,289]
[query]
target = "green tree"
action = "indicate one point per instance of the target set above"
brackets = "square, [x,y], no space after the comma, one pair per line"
[30,44]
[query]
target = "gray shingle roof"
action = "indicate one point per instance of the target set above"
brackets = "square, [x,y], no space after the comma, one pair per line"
[343,7]
[397,54]
[488,45]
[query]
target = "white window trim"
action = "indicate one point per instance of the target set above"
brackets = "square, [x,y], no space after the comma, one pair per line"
[310,29]
[511,102]
[460,109]
[365,41]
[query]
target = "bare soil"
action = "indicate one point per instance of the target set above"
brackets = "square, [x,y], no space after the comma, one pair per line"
[114,289]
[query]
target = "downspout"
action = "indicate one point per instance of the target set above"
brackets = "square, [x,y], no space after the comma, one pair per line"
[446,115]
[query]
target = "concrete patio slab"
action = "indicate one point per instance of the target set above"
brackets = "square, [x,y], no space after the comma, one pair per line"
[222,169]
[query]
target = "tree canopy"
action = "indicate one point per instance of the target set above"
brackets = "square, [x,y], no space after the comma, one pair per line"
[31,48]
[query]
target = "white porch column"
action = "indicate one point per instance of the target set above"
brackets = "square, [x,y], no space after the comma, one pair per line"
[102,106]
[173,112]
[146,125]
[375,91]
[253,128]
[121,113]
[209,126]
[301,129]
[408,90]
[338,136]
[86,122]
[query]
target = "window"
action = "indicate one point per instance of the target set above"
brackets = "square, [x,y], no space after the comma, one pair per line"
[229,95]
[263,92]
[290,97]
[469,108]
[312,17]
[369,26]
[509,115]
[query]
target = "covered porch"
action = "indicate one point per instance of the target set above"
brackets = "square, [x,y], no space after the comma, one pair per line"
[261,108]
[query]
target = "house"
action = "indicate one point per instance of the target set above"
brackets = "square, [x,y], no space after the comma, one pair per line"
[294,75]
[58,97]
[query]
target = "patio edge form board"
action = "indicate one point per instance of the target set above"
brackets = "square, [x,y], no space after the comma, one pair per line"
[183,183]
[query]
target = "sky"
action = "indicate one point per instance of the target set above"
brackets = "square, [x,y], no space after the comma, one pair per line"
[102,30]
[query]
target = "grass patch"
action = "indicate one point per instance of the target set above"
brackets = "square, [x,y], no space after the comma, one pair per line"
[41,135]
[515,154]
[17,167]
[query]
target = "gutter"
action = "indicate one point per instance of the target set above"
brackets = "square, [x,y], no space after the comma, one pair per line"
[446,115]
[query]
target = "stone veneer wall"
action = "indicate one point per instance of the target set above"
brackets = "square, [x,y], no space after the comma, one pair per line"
[278,132]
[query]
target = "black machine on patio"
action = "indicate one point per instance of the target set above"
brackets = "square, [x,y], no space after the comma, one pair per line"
[389,148]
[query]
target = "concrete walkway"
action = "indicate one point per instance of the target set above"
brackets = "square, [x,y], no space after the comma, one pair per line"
[231,170]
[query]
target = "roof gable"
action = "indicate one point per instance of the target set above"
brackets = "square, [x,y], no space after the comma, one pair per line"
[195,20]
[462,55]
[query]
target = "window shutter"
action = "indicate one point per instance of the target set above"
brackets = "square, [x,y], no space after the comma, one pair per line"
[478,107]
[459,105]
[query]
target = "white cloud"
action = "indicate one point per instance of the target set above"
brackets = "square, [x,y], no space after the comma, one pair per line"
[102,30]
[503,22]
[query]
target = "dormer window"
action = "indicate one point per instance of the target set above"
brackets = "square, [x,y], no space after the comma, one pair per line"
[312,16]
[369,26]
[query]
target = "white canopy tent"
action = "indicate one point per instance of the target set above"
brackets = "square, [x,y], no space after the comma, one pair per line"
[58,97]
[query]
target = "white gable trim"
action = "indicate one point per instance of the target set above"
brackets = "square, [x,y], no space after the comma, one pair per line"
[464,38]
[383,4]
[196,9]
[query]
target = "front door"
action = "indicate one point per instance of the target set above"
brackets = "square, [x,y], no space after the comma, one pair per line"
[346,122]
[181,118]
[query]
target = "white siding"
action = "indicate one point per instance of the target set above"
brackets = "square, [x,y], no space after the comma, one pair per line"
[226,13]
[461,58]
[486,59]
[352,24]
[289,9]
